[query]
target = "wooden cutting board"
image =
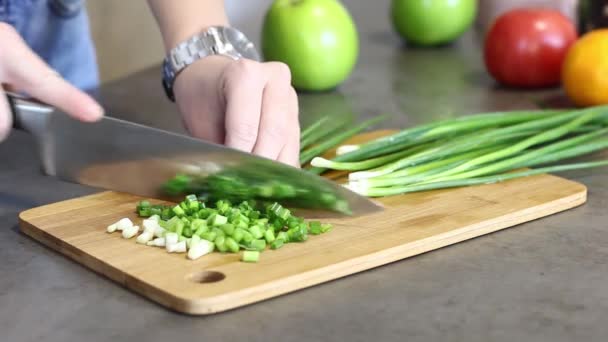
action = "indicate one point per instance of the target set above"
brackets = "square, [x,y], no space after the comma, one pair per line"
[411,224]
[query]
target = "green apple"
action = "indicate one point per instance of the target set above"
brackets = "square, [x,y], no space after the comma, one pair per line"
[317,39]
[432,22]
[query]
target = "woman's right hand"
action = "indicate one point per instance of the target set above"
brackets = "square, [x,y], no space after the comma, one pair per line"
[21,70]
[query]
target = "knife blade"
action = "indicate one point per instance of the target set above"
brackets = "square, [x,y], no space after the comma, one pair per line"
[123,156]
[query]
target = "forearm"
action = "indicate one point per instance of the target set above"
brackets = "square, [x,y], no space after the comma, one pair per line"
[179,20]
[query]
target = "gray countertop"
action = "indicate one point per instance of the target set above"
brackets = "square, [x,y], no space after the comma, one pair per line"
[541,281]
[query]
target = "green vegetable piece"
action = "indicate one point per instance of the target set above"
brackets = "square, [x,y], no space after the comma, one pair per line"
[277,243]
[256,232]
[177,185]
[260,221]
[156,211]
[250,256]
[209,236]
[292,223]
[197,223]
[227,228]
[179,227]
[238,234]
[278,224]
[144,212]
[204,213]
[193,206]
[191,198]
[327,198]
[284,190]
[269,235]
[258,245]
[182,238]
[325,227]
[223,206]
[217,220]
[187,232]
[166,214]
[232,245]
[247,237]
[264,190]
[179,211]
[220,244]
[242,225]
[144,204]
[201,230]
[297,234]
[282,236]
[314,227]
[244,218]
[218,232]
[284,213]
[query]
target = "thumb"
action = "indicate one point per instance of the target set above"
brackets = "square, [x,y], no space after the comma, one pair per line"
[24,70]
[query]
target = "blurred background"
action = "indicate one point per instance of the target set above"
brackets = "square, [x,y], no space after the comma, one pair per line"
[128,40]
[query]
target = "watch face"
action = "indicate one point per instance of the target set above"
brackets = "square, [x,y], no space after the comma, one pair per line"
[241,44]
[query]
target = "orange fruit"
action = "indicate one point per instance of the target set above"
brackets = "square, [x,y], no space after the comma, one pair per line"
[585,69]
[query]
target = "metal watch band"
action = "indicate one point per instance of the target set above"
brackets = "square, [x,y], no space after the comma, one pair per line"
[199,46]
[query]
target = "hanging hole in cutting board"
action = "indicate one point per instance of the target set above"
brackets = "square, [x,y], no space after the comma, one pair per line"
[206,277]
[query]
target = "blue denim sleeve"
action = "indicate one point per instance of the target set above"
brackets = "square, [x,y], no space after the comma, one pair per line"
[58,31]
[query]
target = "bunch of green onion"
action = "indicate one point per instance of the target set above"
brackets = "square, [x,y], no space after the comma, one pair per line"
[478,149]
[230,228]
[326,133]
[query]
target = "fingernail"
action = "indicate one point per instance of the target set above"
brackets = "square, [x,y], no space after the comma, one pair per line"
[95,112]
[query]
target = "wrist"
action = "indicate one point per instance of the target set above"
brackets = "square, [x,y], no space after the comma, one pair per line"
[216,40]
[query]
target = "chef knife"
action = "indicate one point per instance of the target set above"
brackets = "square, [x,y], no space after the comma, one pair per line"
[122,156]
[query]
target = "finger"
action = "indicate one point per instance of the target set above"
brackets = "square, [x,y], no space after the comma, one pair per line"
[274,129]
[24,70]
[243,86]
[6,118]
[290,154]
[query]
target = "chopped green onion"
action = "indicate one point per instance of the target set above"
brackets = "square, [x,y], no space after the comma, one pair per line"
[269,235]
[256,232]
[250,256]
[220,244]
[227,228]
[209,236]
[277,243]
[232,245]
[179,211]
[258,245]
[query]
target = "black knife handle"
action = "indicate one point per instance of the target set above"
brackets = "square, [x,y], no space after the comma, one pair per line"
[28,114]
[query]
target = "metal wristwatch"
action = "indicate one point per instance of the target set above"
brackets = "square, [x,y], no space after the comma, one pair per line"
[215,40]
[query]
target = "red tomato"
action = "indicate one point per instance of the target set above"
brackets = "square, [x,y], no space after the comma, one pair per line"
[526,47]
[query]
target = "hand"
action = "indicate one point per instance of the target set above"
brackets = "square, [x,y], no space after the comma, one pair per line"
[23,71]
[243,104]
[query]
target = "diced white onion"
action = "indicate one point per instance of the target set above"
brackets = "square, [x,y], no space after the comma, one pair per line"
[124,223]
[171,239]
[150,225]
[111,228]
[130,232]
[179,247]
[144,237]
[199,249]
[159,232]
[158,242]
